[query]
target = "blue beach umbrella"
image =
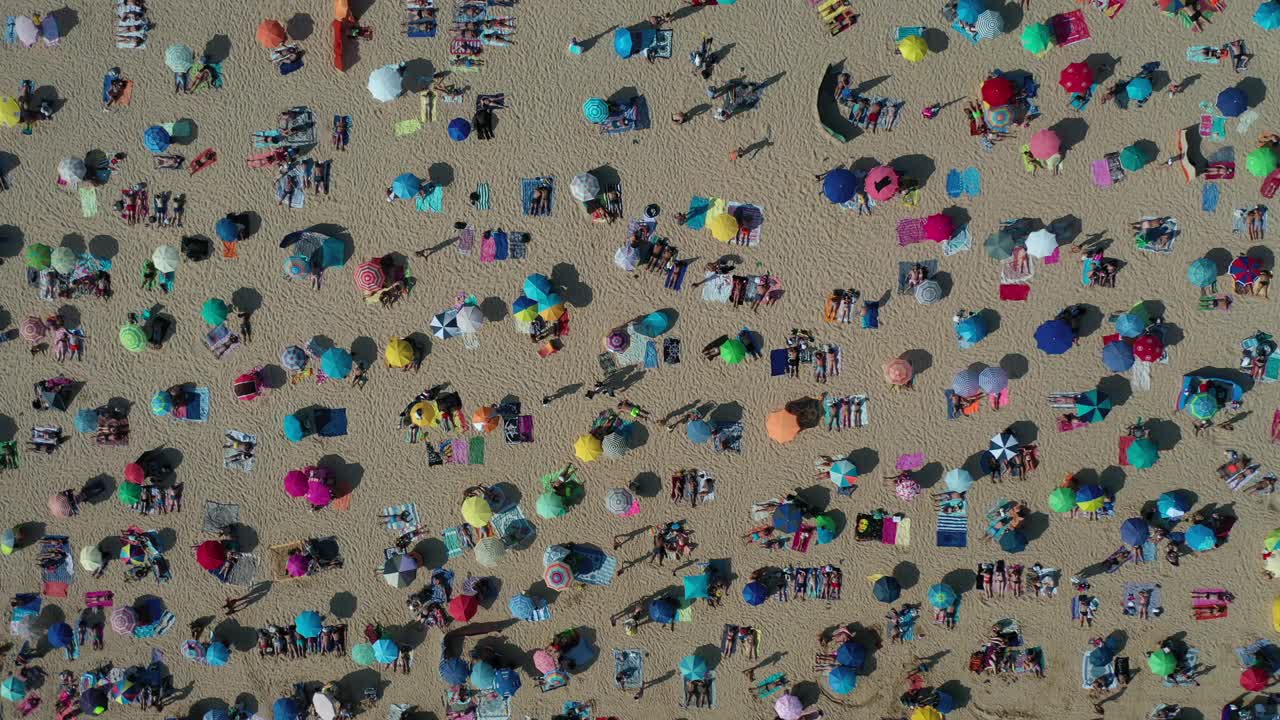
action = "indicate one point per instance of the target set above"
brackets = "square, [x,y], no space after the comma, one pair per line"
[942,596]
[968,11]
[1117,356]
[217,714]
[227,230]
[454,670]
[293,431]
[336,363]
[1172,505]
[60,635]
[958,480]
[1088,494]
[537,287]
[1232,102]
[156,139]
[482,675]
[1138,89]
[521,607]
[217,654]
[1200,538]
[524,308]
[506,682]
[1130,325]
[1013,541]
[693,667]
[886,589]
[459,129]
[293,358]
[662,611]
[624,42]
[285,709]
[406,186]
[1135,531]
[161,403]
[842,680]
[1203,272]
[698,431]
[839,185]
[595,110]
[654,324]
[1054,337]
[787,517]
[754,593]
[309,623]
[971,329]
[1267,16]
[385,651]
[851,654]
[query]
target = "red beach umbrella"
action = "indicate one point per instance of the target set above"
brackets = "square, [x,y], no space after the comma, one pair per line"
[1148,348]
[1076,78]
[997,91]
[210,554]
[463,607]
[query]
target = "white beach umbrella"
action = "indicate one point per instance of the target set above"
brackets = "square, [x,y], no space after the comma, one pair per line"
[469,319]
[165,258]
[385,83]
[1041,243]
[584,187]
[71,170]
[989,25]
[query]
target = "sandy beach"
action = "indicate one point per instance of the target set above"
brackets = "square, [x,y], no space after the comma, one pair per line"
[811,245]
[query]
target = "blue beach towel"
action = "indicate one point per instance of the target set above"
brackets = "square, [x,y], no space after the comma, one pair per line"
[955,184]
[501,245]
[1090,672]
[972,182]
[697,215]
[777,362]
[953,528]
[528,185]
[650,355]
[10,31]
[288,68]
[198,408]
[1209,197]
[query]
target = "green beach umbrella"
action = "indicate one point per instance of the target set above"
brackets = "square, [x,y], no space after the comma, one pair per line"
[1262,161]
[1142,454]
[1162,663]
[999,245]
[550,505]
[37,256]
[62,259]
[733,352]
[1133,158]
[1093,406]
[1037,38]
[1202,406]
[132,338]
[129,493]
[214,311]
[161,403]
[362,654]
[1062,500]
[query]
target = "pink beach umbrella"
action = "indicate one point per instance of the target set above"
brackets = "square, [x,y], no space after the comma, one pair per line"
[789,707]
[1045,144]
[318,494]
[295,483]
[938,228]
[882,184]
[544,662]
[297,566]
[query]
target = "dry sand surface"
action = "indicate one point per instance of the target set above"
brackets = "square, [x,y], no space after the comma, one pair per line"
[812,245]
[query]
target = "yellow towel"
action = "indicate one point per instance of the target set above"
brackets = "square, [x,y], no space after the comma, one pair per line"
[407,127]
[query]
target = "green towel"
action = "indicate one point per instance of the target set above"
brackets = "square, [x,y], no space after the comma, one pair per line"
[476,456]
[407,127]
[432,201]
[88,202]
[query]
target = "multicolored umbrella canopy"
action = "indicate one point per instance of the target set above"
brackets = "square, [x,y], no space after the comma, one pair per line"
[293,358]
[557,576]
[445,325]
[843,473]
[1090,498]
[989,25]
[1003,446]
[942,596]
[1203,406]
[399,571]
[1093,406]
[369,277]
[1244,269]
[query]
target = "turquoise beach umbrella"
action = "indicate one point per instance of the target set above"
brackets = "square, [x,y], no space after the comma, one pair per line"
[842,680]
[1267,16]
[1200,538]
[1202,272]
[595,110]
[336,363]
[161,403]
[693,667]
[942,595]
[406,186]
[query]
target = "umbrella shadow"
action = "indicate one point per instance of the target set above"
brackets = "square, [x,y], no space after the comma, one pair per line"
[104,246]
[417,75]
[1026,431]
[202,707]
[830,114]
[1255,89]
[300,26]
[342,235]
[1116,387]
[440,174]
[637,435]
[343,605]
[1066,228]
[354,684]
[1012,15]
[929,475]
[958,691]
[433,552]
[917,166]
[646,484]
[1071,131]
[218,48]
[1015,365]
[866,460]
[907,574]
[11,236]
[574,291]
[962,580]
[589,42]
[1112,479]
[1035,525]
[1166,434]
[494,309]
[936,40]
[1263,255]
[364,351]
[920,360]
[816,497]
[346,475]
[236,636]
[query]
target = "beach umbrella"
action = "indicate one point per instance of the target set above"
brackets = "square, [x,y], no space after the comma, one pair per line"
[624,42]
[999,117]
[156,139]
[587,448]
[524,309]
[37,256]
[285,709]
[754,593]
[297,565]
[1142,453]
[1172,505]
[445,325]
[1262,161]
[595,110]
[9,541]
[788,707]
[214,311]
[584,187]
[1003,446]
[942,596]
[1054,337]
[91,559]
[1267,16]
[1244,270]
[1200,538]
[369,276]
[400,570]
[1232,102]
[489,551]
[318,493]
[1138,89]
[926,713]
[71,170]
[1148,348]
[323,706]
[130,493]
[10,112]
[967,11]
[210,554]
[723,227]
[958,480]
[32,329]
[839,185]
[1076,78]
[13,688]
[928,292]
[522,607]
[476,511]
[938,227]
[999,245]
[165,258]
[1255,679]
[469,319]
[385,83]
[898,371]
[1093,406]
[989,25]
[550,505]
[1132,158]
[179,58]
[544,662]
[1130,325]
[1271,541]
[485,419]
[557,576]
[228,230]
[406,185]
[1117,356]
[454,670]
[1134,531]
[787,517]
[1062,500]
[1037,38]
[217,654]
[732,351]
[662,611]
[309,623]
[506,682]
[693,667]
[399,353]
[965,383]
[59,506]
[1090,498]
[698,431]
[459,129]
[843,473]
[463,607]
[1202,406]
[423,414]
[886,589]
[62,259]
[842,680]
[537,287]
[296,266]
[618,501]
[60,635]
[551,308]
[653,324]
[295,483]
[1162,663]
[998,91]
[1013,541]
[385,651]
[161,403]
[993,380]
[882,183]
[554,553]
[851,655]
[336,363]
[1042,243]
[617,341]
[913,48]
[782,426]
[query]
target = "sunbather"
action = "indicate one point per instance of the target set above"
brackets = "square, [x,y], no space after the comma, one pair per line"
[540,203]
[168,162]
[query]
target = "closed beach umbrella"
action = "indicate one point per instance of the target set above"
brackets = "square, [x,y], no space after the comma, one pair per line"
[399,353]
[1130,325]
[59,506]
[454,670]
[842,680]
[595,110]
[536,287]
[789,707]
[71,170]
[459,129]
[399,571]
[1093,406]
[1013,541]
[156,139]
[1148,348]
[928,292]
[13,688]
[958,480]
[1117,356]
[476,511]
[965,383]
[998,91]
[584,187]
[463,607]
[1262,161]
[618,501]
[489,551]
[886,589]
[550,505]
[693,667]
[37,256]
[913,48]
[1090,498]
[1267,16]
[1003,446]
[882,183]
[1142,453]
[938,227]
[469,319]
[1172,505]
[217,654]
[318,494]
[210,554]
[1076,78]
[1134,531]
[662,611]
[1138,89]
[385,651]
[10,112]
[179,58]
[723,227]
[1037,38]
[588,448]
[989,25]
[522,607]
[942,596]
[91,558]
[1202,406]
[1042,243]
[406,185]
[623,42]
[898,372]
[993,380]
[754,593]
[62,259]
[733,351]
[1232,102]
[32,329]
[1200,538]
[698,431]
[1062,500]
[336,363]
[295,483]
[839,185]
[782,426]
[214,311]
[558,576]
[165,258]
[843,473]
[1054,337]
[1162,663]
[309,623]
[385,83]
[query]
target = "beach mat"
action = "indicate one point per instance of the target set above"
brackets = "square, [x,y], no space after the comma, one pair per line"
[1014,291]
[431,202]
[218,516]
[696,217]
[528,185]
[953,528]
[88,202]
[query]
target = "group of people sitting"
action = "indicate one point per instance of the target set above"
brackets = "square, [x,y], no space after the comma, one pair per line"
[284,641]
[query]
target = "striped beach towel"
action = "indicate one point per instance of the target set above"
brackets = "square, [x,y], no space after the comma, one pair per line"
[953,528]
[482,196]
[391,518]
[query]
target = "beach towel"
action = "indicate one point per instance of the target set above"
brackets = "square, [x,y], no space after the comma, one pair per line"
[219,516]
[1209,197]
[197,410]
[331,422]
[519,246]
[628,669]
[10,29]
[1155,606]
[955,184]
[717,288]
[1181,678]
[432,201]
[457,540]
[904,273]
[1258,652]
[56,578]
[88,202]
[1069,28]
[960,242]
[1195,54]
[1101,173]
[896,531]
[1009,274]
[501,247]
[910,231]
[482,196]
[661,45]
[696,217]
[475,452]
[972,182]
[1146,241]
[245,572]
[391,517]
[778,362]
[953,527]
[1089,673]
[233,459]
[676,275]
[407,127]
[528,185]
[512,526]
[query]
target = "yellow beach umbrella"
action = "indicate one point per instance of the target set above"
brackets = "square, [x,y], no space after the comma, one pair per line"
[913,48]
[723,227]
[10,112]
[399,353]
[476,511]
[423,414]
[588,448]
